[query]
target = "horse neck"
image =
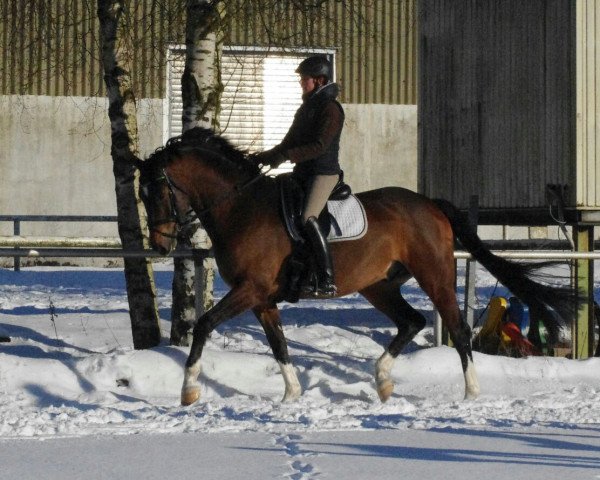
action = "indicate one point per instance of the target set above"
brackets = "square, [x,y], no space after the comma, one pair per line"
[206,186]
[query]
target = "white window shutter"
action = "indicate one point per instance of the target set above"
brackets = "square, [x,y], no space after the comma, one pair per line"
[261,94]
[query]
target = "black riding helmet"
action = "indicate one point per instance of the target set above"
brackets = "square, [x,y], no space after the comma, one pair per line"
[316,66]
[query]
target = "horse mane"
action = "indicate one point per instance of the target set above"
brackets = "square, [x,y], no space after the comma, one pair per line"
[203,139]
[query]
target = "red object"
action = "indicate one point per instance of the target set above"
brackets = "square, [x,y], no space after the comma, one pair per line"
[524,346]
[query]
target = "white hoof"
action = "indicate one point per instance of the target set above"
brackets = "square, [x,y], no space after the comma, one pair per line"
[385,390]
[292,395]
[383,369]
[189,395]
[190,392]
[471,393]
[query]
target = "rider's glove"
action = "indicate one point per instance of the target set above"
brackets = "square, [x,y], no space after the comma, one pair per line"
[272,158]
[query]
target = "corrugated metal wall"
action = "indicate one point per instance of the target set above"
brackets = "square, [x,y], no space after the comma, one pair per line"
[588,103]
[376,42]
[496,100]
[41,55]
[51,48]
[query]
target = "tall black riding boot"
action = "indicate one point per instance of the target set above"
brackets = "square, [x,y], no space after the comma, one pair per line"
[325,280]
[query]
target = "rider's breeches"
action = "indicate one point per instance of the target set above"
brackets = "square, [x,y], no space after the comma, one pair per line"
[317,194]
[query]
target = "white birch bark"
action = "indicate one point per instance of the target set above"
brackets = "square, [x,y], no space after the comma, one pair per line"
[116,59]
[201,89]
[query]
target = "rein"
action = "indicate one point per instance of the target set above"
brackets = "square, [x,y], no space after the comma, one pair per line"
[191,215]
[237,190]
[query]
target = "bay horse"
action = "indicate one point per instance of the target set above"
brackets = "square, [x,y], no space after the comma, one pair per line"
[408,236]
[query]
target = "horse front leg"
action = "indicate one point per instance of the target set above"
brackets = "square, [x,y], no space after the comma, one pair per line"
[238,300]
[385,296]
[461,337]
[271,322]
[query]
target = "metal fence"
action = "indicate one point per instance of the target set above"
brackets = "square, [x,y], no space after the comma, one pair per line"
[18,246]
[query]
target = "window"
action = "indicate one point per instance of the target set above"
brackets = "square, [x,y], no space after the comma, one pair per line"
[261,94]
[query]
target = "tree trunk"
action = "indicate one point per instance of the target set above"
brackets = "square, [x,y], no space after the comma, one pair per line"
[201,91]
[201,83]
[116,59]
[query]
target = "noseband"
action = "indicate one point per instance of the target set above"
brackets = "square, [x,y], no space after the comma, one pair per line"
[173,217]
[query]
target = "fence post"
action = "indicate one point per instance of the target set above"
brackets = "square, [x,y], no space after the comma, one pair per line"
[438,330]
[471,267]
[17,232]
[583,326]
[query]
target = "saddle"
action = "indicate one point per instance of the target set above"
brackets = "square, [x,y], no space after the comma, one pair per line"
[292,201]
[347,222]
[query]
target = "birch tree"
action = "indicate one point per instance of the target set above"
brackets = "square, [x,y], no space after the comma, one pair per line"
[201,90]
[116,58]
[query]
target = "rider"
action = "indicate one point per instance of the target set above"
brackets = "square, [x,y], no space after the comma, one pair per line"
[312,144]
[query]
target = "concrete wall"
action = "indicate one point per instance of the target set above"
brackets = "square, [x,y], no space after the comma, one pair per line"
[55,156]
[379,146]
[55,160]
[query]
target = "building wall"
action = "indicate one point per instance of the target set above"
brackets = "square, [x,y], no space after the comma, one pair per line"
[55,156]
[588,104]
[379,146]
[55,160]
[375,42]
[497,103]
[52,48]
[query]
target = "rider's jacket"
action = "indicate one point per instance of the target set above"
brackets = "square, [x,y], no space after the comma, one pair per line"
[313,140]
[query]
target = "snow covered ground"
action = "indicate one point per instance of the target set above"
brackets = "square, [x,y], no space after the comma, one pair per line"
[77,401]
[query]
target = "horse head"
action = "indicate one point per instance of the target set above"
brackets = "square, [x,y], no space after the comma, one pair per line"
[160,202]
[165,183]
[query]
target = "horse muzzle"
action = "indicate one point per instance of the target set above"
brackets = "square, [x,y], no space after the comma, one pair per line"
[162,242]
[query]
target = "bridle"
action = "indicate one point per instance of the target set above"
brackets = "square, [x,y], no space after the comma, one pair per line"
[191,216]
[174,216]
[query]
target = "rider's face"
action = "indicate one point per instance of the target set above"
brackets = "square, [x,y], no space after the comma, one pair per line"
[308,84]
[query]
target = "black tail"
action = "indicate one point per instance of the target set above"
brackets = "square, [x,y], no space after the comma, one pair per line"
[518,277]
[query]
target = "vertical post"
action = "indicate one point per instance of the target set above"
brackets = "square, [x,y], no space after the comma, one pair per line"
[438,331]
[471,267]
[16,233]
[582,330]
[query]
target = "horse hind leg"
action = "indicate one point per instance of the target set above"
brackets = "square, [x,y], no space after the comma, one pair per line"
[385,296]
[270,320]
[460,333]
[444,300]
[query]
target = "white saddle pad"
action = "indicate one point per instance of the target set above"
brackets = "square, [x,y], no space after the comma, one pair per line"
[349,220]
